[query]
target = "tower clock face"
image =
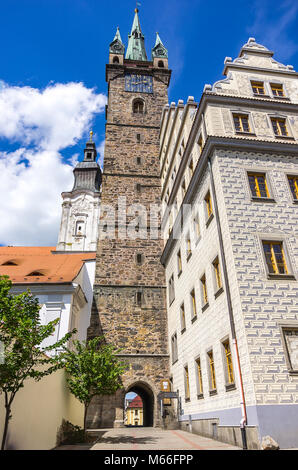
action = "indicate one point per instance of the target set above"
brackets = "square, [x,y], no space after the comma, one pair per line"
[138,83]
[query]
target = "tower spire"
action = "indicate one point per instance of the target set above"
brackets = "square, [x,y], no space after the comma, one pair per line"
[136,41]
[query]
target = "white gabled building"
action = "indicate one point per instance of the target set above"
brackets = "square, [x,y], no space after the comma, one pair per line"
[232,271]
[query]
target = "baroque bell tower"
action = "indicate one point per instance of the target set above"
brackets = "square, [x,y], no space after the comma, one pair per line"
[129,291]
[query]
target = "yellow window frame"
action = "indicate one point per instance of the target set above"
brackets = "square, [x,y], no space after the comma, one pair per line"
[186,374]
[179,262]
[257,86]
[204,287]
[212,370]
[257,186]
[209,204]
[295,185]
[241,118]
[193,299]
[279,122]
[229,362]
[217,273]
[199,372]
[276,88]
[274,262]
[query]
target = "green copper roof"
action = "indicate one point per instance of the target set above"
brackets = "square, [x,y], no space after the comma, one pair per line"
[159,49]
[136,41]
[117,46]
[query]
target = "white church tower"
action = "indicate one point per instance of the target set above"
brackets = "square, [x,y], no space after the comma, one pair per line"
[81,206]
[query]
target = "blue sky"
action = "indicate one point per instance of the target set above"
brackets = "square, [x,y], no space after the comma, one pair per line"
[52,83]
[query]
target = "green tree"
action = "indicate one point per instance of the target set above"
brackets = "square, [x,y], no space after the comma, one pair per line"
[94,369]
[21,335]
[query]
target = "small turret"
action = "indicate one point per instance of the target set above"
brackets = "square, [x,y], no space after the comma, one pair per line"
[159,54]
[117,49]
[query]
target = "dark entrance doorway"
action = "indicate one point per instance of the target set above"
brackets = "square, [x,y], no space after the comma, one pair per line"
[146,394]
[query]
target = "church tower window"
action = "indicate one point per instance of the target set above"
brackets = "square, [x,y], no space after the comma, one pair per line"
[138,106]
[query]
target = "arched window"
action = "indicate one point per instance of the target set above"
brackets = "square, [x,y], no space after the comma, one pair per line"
[138,106]
[116,60]
[160,63]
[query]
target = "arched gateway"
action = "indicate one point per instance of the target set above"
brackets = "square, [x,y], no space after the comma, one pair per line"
[129,307]
[145,392]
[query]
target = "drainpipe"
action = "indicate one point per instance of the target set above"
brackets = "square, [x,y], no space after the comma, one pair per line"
[243,421]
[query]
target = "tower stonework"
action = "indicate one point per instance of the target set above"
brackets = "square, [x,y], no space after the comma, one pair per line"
[129,291]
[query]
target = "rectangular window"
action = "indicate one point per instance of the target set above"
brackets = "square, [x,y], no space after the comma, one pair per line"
[186,383]
[179,262]
[174,347]
[290,340]
[182,317]
[279,127]
[293,182]
[277,89]
[188,246]
[241,123]
[193,304]
[199,377]
[208,204]
[211,370]
[216,268]
[200,144]
[171,289]
[204,289]
[275,257]
[258,88]
[258,185]
[229,364]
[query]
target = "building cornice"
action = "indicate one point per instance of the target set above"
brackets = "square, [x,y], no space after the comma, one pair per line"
[246,68]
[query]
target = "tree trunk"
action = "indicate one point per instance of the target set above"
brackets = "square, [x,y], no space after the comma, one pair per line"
[7,416]
[85,416]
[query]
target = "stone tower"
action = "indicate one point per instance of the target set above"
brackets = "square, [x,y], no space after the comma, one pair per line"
[81,206]
[129,292]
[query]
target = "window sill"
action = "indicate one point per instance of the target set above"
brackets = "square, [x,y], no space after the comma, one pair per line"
[200,396]
[262,199]
[186,400]
[212,392]
[205,307]
[230,387]
[288,277]
[171,301]
[176,360]
[194,318]
[179,274]
[182,331]
[284,98]
[217,294]
[209,220]
[189,256]
[259,95]
[252,134]
[284,137]
[295,201]
[293,372]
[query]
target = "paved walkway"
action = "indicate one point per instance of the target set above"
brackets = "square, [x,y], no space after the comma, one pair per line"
[155,439]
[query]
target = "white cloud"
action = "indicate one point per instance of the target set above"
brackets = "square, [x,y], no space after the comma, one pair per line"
[33,177]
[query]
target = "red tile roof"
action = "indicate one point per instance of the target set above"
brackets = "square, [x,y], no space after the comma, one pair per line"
[41,265]
[136,403]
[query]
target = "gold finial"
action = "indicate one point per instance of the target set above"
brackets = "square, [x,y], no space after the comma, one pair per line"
[91,134]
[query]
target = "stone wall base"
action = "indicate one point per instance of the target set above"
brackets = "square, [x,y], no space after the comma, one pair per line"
[228,434]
